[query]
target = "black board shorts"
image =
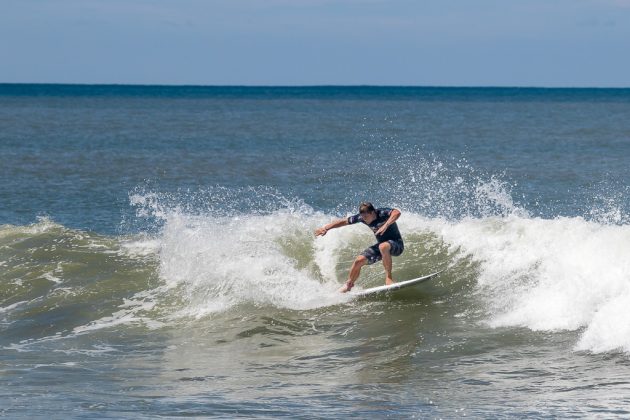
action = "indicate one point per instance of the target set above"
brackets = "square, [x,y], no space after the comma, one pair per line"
[373,254]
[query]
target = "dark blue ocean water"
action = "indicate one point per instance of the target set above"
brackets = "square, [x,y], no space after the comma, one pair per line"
[75,152]
[157,255]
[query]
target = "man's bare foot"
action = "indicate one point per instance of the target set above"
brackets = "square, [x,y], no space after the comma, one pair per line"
[389,281]
[346,287]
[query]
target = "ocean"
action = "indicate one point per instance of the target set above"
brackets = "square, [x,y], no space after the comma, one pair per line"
[157,255]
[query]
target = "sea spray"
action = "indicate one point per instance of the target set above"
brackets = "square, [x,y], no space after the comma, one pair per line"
[222,261]
[549,275]
[254,246]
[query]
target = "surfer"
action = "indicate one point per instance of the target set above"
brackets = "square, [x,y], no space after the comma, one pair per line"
[382,221]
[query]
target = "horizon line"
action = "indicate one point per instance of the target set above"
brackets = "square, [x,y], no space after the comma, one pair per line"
[312,86]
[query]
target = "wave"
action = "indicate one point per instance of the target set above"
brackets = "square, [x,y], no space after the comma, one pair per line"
[560,274]
[563,274]
[55,280]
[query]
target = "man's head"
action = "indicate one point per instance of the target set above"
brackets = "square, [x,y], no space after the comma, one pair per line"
[367,212]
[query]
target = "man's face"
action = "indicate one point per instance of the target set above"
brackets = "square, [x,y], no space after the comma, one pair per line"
[368,216]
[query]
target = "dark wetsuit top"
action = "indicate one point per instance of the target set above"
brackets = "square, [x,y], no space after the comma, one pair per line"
[382,215]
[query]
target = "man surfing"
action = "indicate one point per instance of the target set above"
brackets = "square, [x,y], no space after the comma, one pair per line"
[382,221]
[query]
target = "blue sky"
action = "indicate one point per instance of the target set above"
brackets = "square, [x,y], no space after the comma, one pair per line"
[313,42]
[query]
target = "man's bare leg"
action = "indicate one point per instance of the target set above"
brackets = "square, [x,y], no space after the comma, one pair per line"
[355,270]
[387,261]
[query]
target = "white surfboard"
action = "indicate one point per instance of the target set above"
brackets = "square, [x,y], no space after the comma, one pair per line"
[395,286]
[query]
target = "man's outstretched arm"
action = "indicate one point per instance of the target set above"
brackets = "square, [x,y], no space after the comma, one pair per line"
[332,225]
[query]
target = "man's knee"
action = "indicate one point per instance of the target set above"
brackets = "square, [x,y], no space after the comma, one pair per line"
[360,260]
[384,247]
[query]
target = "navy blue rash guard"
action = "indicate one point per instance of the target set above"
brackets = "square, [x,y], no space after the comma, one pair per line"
[382,215]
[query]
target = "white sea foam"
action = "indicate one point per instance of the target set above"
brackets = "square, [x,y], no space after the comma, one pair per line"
[221,262]
[50,277]
[8,308]
[43,225]
[560,274]
[132,311]
[550,275]
[141,247]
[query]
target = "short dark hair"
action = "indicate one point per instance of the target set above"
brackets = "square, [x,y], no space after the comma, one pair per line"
[366,207]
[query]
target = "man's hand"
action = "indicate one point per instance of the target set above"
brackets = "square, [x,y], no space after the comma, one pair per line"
[321,231]
[382,229]
[392,219]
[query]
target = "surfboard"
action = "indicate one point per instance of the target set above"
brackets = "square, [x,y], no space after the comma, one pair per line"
[392,287]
